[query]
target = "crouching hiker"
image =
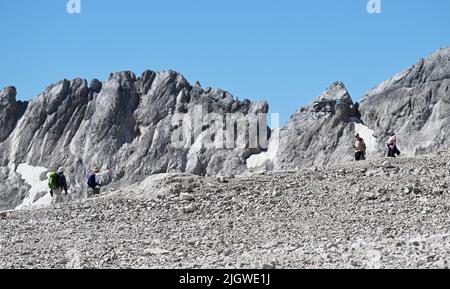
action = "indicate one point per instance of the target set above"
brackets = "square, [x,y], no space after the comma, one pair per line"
[360,148]
[392,145]
[57,183]
[93,181]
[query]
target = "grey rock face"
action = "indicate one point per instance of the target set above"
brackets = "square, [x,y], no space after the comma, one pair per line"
[11,111]
[12,189]
[321,133]
[125,123]
[415,104]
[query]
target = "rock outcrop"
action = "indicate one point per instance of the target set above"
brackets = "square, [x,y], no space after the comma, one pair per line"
[414,103]
[11,110]
[12,189]
[321,133]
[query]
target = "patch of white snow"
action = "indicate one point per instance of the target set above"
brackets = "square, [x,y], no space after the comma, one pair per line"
[260,161]
[368,136]
[32,176]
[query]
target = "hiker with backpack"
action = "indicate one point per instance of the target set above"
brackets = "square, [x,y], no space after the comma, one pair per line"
[392,145]
[360,148]
[57,183]
[93,181]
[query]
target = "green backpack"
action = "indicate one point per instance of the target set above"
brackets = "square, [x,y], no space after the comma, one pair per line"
[53,181]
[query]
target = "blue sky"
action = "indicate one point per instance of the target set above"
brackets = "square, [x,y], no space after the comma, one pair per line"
[285,51]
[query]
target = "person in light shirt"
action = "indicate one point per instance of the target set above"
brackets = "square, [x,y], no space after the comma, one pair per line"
[392,145]
[360,148]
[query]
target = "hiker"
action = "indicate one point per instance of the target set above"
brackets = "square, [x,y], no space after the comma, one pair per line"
[392,145]
[94,180]
[57,183]
[360,148]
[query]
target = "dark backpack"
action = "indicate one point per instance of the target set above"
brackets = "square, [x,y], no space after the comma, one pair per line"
[91,181]
[53,181]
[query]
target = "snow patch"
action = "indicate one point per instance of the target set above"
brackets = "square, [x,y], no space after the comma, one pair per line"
[265,159]
[368,136]
[32,176]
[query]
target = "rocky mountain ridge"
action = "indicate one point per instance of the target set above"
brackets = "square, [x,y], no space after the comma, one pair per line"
[128,123]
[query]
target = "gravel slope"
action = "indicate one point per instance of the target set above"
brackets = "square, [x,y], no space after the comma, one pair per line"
[367,215]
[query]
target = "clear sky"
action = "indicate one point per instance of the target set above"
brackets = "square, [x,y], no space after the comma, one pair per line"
[285,51]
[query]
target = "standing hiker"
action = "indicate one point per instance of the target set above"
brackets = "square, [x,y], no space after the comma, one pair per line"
[392,145]
[360,148]
[94,180]
[57,183]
